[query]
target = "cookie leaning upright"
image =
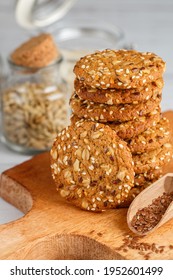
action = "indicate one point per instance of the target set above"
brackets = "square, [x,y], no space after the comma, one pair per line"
[37,52]
[91,166]
[119,69]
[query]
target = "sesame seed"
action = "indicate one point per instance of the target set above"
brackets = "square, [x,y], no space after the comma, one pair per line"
[157,167]
[58,169]
[119,83]
[119,70]
[121,146]
[91,167]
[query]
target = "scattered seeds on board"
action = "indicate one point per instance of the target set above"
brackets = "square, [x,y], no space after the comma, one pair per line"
[145,249]
[33,114]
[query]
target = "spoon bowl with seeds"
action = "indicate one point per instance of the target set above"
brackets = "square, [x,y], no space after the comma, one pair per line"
[152,207]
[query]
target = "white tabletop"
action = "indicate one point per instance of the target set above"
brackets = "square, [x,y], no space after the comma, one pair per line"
[146,23]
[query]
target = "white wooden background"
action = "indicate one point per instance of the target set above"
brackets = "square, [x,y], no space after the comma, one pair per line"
[146,23]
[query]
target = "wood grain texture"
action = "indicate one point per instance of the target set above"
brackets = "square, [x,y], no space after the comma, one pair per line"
[54,229]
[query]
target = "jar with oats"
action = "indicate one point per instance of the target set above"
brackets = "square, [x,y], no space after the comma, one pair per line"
[34,98]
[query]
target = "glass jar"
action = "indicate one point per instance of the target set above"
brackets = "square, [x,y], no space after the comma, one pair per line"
[76,38]
[34,107]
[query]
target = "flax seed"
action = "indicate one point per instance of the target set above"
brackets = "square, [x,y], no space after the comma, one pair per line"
[147,218]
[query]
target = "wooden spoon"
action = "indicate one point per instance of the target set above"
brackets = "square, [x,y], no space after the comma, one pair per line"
[145,198]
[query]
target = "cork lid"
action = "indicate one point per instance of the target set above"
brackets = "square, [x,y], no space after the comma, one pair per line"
[37,52]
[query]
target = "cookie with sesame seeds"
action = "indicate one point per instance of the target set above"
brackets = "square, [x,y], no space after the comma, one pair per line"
[91,166]
[155,159]
[152,175]
[130,129]
[119,96]
[152,138]
[122,69]
[109,113]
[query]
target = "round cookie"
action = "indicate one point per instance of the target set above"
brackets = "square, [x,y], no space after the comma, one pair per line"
[122,69]
[118,96]
[91,166]
[151,139]
[152,160]
[151,175]
[109,113]
[130,129]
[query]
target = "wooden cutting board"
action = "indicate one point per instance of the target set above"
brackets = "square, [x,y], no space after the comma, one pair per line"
[54,229]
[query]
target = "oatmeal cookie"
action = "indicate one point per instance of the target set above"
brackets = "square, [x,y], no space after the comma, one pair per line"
[119,96]
[122,69]
[152,175]
[152,160]
[37,52]
[151,139]
[130,129]
[109,113]
[91,166]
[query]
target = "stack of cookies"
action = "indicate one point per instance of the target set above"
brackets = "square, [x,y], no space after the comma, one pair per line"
[123,89]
